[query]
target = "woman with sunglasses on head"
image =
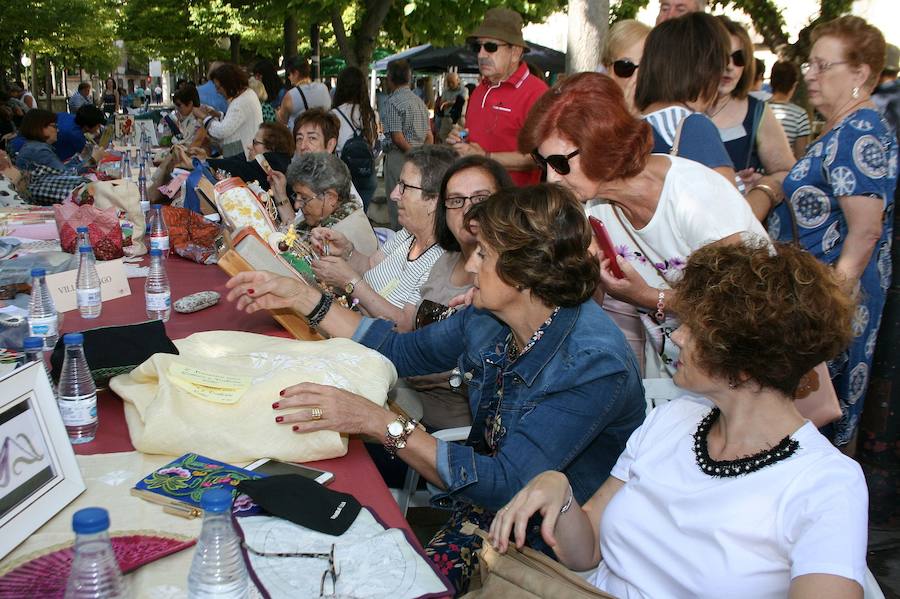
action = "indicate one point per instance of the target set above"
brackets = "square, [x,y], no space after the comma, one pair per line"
[622,53]
[657,208]
[678,79]
[840,196]
[387,283]
[552,384]
[752,135]
[733,493]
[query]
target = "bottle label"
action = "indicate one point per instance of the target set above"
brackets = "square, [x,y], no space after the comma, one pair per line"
[43,326]
[78,410]
[159,243]
[88,297]
[158,301]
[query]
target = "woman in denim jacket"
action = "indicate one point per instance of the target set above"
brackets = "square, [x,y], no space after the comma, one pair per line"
[552,382]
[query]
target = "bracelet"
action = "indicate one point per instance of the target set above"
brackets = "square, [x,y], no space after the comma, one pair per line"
[770,193]
[321,309]
[568,503]
[661,307]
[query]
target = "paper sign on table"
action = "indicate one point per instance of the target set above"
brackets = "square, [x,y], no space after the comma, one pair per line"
[113,284]
[207,385]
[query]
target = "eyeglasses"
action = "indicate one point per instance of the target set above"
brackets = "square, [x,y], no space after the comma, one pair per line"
[819,66]
[331,572]
[302,200]
[454,202]
[404,186]
[557,162]
[624,68]
[737,57]
[489,47]
[256,142]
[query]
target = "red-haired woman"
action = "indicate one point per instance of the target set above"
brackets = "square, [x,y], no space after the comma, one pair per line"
[658,208]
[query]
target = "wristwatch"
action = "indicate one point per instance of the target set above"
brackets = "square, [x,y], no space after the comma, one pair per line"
[397,432]
[349,287]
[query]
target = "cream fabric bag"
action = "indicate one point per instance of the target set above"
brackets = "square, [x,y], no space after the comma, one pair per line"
[125,198]
[163,418]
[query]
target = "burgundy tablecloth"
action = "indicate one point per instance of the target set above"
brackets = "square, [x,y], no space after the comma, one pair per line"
[354,473]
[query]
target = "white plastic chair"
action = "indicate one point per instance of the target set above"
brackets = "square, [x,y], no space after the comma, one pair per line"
[409,496]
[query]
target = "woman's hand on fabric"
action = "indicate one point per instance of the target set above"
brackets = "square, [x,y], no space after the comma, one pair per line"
[463,299]
[257,290]
[338,410]
[546,494]
[337,243]
[333,271]
[632,289]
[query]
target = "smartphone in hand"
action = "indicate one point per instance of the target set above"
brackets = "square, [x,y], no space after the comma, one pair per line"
[606,245]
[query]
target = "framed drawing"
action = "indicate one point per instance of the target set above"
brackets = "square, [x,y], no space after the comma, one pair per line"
[38,472]
[124,128]
[145,127]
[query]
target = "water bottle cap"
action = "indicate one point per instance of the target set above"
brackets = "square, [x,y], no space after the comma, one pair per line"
[73,339]
[90,520]
[156,252]
[33,343]
[82,229]
[38,272]
[216,500]
[157,206]
[85,249]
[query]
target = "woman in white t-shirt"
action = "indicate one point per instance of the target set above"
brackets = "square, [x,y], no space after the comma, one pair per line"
[351,105]
[657,208]
[741,497]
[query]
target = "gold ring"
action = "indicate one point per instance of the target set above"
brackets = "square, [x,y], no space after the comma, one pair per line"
[316,413]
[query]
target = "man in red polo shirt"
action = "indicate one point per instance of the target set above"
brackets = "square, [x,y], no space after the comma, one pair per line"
[499,105]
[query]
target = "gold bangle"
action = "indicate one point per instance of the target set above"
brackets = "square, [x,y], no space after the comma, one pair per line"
[770,193]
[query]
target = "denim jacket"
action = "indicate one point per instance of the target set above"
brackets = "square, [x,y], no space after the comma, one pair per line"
[37,152]
[569,404]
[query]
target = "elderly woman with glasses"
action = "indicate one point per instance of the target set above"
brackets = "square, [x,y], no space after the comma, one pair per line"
[552,384]
[657,208]
[840,195]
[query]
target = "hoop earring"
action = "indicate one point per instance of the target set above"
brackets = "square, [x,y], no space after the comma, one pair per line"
[855,93]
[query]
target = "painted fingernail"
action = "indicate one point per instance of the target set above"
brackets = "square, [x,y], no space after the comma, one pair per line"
[251,291]
[275,405]
[281,393]
[279,419]
[296,428]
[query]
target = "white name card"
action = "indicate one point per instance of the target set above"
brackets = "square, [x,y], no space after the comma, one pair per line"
[113,284]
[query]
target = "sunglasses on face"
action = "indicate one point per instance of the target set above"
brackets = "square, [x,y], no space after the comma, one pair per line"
[737,57]
[489,47]
[558,162]
[624,68]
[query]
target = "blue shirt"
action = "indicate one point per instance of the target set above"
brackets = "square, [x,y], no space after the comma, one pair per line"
[69,138]
[35,153]
[699,139]
[569,404]
[210,97]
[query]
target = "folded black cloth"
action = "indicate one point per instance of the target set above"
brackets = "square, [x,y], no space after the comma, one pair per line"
[303,501]
[250,170]
[111,351]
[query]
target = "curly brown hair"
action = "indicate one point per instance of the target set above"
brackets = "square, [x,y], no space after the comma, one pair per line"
[541,237]
[756,313]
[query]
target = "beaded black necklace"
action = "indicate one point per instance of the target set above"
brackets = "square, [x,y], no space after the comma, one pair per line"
[745,465]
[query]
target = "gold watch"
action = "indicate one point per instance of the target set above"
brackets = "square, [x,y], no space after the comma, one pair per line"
[349,287]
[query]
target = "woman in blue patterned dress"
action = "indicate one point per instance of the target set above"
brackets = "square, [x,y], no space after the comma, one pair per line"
[841,194]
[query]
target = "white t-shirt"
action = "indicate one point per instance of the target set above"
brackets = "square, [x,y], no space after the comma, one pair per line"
[697,206]
[317,96]
[398,279]
[351,111]
[673,531]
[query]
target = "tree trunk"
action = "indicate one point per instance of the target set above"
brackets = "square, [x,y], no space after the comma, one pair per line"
[359,52]
[290,36]
[588,23]
[235,48]
[315,60]
[48,83]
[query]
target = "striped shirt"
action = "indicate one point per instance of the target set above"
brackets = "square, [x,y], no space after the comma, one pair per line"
[406,113]
[794,120]
[397,278]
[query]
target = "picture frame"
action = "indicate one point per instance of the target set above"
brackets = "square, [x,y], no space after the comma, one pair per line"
[38,472]
[146,127]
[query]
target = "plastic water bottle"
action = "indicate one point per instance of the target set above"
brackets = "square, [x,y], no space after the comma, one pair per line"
[84,237]
[126,166]
[43,320]
[95,572]
[157,293]
[87,285]
[159,232]
[34,352]
[142,189]
[218,569]
[77,395]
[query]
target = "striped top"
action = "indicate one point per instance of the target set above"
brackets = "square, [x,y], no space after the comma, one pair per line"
[794,120]
[397,278]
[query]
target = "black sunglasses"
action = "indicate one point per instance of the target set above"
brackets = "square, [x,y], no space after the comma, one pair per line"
[557,162]
[489,47]
[737,57]
[624,68]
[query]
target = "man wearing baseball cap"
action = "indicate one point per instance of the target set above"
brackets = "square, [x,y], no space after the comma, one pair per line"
[498,106]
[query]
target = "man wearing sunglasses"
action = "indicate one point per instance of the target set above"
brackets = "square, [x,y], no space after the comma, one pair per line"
[498,106]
